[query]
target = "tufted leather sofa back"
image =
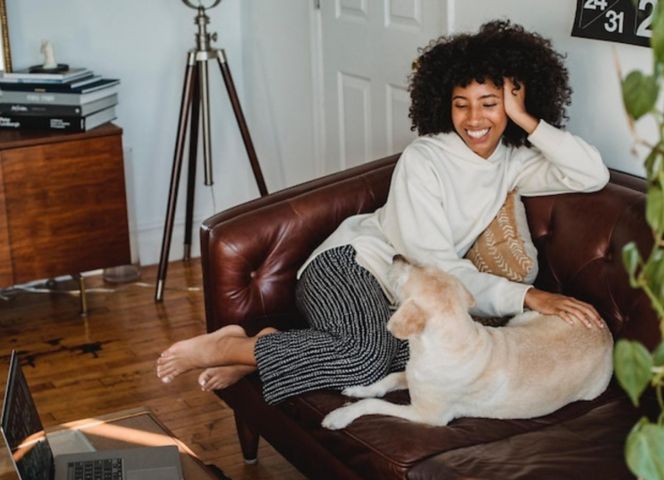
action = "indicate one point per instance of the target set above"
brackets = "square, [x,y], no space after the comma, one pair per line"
[251,253]
[579,238]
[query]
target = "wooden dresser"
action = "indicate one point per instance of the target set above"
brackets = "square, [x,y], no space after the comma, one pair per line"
[63,208]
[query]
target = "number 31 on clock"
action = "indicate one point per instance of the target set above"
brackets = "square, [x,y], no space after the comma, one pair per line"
[625,21]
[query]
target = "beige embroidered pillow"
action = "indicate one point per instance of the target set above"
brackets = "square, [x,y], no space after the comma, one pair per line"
[506,248]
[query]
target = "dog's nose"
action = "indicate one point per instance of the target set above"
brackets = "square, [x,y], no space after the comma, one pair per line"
[398,258]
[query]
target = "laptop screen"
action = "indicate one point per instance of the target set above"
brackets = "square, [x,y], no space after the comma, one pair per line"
[23,429]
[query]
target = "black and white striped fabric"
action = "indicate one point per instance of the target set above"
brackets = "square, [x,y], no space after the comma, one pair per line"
[347,343]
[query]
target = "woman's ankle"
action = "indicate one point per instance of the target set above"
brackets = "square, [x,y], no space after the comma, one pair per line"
[267,331]
[238,350]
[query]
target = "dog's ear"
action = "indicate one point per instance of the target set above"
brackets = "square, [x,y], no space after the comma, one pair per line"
[398,274]
[408,320]
[467,296]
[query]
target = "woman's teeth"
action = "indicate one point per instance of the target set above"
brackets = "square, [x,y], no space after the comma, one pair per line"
[477,133]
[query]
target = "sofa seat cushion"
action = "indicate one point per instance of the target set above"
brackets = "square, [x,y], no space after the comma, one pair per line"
[575,437]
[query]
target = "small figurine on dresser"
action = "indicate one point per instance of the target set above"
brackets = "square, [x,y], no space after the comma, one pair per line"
[49,57]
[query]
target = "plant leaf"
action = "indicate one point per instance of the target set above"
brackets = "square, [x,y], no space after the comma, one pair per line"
[653,162]
[657,27]
[655,207]
[655,273]
[658,355]
[639,93]
[633,364]
[644,450]
[631,259]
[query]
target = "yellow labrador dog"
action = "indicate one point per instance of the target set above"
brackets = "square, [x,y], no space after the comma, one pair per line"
[459,368]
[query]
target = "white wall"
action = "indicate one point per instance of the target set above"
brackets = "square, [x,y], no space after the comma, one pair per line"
[144,43]
[278,65]
[596,113]
[269,47]
[278,78]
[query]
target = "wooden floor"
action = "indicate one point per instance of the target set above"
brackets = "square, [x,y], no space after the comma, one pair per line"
[81,367]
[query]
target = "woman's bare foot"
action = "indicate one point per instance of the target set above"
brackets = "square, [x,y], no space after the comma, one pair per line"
[197,352]
[218,378]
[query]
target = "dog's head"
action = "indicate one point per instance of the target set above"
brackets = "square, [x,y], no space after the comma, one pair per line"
[424,294]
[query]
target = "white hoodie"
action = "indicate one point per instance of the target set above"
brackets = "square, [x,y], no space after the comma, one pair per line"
[443,195]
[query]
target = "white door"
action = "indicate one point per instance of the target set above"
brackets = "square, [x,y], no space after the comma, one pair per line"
[366,50]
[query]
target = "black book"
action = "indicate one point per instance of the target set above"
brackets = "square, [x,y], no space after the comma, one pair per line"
[59,87]
[74,123]
[57,110]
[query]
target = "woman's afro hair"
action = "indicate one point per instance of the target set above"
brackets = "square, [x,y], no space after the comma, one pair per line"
[498,50]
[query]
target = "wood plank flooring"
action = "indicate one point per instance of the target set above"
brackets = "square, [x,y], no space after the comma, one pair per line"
[80,367]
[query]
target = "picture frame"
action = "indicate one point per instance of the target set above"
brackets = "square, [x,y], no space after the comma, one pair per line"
[5,51]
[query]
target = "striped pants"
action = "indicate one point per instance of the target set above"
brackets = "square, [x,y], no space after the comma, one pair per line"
[347,343]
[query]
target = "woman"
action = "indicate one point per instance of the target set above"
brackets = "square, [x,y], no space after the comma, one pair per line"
[488,108]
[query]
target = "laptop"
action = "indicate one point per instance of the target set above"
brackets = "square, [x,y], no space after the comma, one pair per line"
[34,458]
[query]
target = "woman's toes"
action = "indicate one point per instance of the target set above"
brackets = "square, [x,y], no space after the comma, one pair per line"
[217,378]
[208,379]
[215,385]
[203,379]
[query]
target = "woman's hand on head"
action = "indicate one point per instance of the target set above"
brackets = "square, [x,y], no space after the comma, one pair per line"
[569,309]
[514,100]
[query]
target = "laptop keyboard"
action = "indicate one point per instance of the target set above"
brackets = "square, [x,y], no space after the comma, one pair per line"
[107,469]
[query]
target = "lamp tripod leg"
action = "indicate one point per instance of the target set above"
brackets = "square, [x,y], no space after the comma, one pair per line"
[175,176]
[242,123]
[193,154]
[205,107]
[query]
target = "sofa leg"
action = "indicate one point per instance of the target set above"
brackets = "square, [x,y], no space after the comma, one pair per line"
[248,440]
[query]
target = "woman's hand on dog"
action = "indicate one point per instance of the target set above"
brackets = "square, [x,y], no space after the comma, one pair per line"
[570,309]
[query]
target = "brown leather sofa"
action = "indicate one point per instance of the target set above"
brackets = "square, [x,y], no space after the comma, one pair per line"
[251,253]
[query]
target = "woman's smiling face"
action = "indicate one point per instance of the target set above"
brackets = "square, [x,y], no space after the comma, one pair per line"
[478,116]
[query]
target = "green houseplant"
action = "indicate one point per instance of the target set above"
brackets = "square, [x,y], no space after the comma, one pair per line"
[635,366]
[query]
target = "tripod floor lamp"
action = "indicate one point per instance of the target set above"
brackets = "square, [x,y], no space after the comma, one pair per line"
[195,105]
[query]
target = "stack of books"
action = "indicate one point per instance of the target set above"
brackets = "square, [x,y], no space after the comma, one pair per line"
[75,100]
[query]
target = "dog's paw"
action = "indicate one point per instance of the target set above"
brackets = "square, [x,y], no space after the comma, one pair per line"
[361,391]
[338,419]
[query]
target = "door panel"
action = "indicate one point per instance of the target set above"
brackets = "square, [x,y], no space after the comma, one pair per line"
[354,113]
[367,48]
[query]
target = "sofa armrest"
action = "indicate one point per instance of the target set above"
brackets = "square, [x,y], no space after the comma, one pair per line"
[579,238]
[251,253]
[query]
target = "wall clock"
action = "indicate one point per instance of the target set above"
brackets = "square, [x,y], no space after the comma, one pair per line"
[623,21]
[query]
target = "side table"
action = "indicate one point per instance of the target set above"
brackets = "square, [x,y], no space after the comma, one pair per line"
[137,427]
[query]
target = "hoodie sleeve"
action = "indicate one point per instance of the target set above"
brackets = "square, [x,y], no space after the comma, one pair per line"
[559,163]
[416,224]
